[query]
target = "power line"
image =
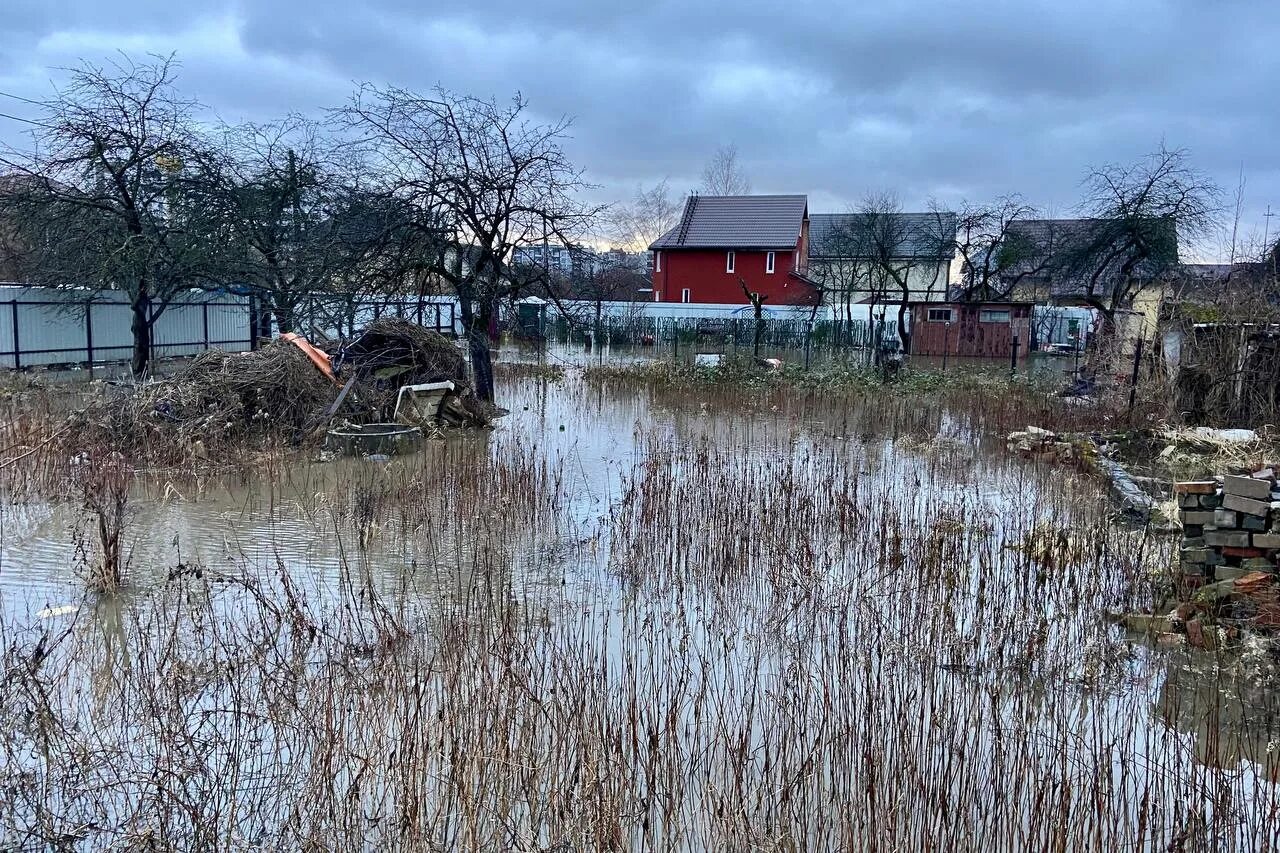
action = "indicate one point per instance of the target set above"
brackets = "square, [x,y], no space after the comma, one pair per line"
[20,98]
[27,120]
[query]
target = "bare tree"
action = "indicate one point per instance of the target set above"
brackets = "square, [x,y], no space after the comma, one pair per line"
[995,256]
[899,251]
[650,214]
[299,221]
[723,174]
[840,270]
[1138,215]
[479,180]
[109,197]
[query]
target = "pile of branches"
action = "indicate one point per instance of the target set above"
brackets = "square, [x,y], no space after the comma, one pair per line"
[224,403]
[392,352]
[222,400]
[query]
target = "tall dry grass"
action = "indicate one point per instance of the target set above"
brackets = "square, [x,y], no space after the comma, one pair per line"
[807,625]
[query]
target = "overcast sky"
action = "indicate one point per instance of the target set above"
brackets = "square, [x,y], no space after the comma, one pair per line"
[929,99]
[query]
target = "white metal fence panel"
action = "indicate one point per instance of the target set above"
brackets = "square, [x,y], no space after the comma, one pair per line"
[46,326]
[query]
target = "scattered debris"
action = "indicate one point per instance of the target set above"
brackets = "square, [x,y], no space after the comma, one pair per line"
[1037,443]
[374,440]
[288,390]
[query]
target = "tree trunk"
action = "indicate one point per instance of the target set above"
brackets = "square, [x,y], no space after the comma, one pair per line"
[477,325]
[285,321]
[481,362]
[904,334]
[759,306]
[140,326]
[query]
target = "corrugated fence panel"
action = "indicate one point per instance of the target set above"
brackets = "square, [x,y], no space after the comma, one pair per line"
[64,326]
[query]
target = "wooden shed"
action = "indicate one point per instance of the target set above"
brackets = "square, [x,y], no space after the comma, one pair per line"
[971,329]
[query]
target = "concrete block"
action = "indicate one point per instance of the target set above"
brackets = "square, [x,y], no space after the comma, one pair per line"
[1227,539]
[1229,573]
[1258,564]
[1225,518]
[1202,517]
[1210,501]
[1193,541]
[1188,501]
[1247,505]
[1253,523]
[1246,487]
[1195,555]
[1195,487]
[1266,540]
[1215,558]
[1241,553]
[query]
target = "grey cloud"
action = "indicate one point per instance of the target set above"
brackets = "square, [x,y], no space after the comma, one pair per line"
[928,98]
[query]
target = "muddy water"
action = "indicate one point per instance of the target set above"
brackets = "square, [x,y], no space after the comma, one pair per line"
[792,566]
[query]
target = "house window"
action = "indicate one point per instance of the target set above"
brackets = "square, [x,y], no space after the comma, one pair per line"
[939,315]
[657,262]
[728,262]
[684,295]
[991,315]
[769,262]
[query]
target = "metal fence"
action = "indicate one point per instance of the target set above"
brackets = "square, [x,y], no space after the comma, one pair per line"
[733,331]
[339,317]
[40,326]
[54,327]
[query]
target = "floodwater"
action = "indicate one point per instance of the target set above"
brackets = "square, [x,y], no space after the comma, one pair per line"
[634,618]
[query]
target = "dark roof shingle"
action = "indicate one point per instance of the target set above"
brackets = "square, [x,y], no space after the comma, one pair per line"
[737,222]
[922,235]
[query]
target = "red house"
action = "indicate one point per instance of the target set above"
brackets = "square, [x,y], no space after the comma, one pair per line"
[728,246]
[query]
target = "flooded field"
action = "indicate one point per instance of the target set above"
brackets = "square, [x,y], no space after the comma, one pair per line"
[628,618]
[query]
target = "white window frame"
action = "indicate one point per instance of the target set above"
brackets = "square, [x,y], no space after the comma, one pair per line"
[684,296]
[657,261]
[984,315]
[950,315]
[730,261]
[770,262]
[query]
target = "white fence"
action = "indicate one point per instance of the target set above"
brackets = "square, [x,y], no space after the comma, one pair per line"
[54,326]
[46,326]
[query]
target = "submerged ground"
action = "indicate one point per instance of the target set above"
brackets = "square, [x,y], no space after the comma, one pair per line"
[630,618]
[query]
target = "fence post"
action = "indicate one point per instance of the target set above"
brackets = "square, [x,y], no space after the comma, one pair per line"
[205,318]
[17,348]
[1133,379]
[88,334]
[1013,357]
[253,322]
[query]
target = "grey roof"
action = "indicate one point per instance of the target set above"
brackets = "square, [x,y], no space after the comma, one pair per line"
[1062,252]
[921,235]
[737,222]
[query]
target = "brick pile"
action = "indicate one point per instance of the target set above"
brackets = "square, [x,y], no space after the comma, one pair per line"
[1230,527]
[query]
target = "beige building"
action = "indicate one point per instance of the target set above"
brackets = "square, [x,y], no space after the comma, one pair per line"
[858,258]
